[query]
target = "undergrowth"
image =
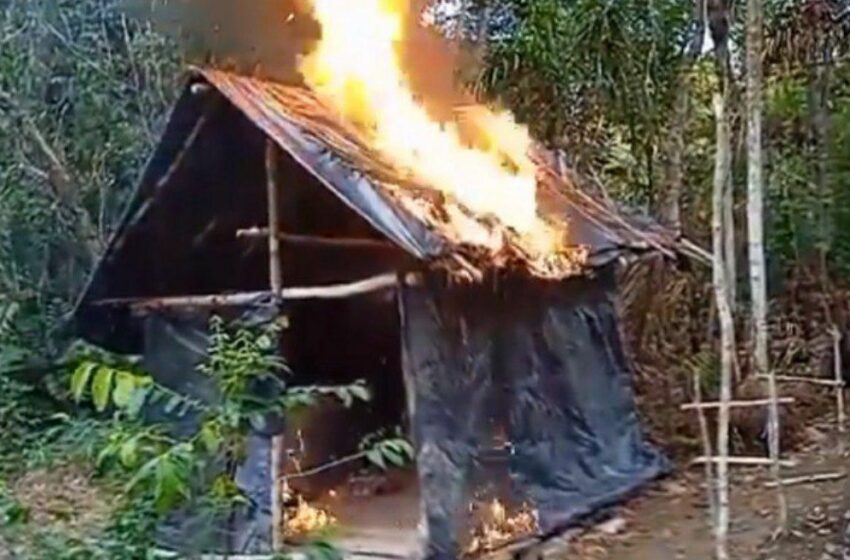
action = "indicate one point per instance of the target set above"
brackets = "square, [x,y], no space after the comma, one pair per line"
[92,420]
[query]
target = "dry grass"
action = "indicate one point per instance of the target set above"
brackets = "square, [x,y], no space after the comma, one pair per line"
[62,499]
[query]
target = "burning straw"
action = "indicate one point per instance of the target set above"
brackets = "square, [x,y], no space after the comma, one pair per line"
[497,528]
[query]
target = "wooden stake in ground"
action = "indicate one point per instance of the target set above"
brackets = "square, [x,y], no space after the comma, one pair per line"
[727,326]
[705,439]
[839,379]
[755,228]
[276,281]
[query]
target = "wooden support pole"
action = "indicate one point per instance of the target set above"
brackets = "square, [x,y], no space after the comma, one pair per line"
[811,380]
[705,439]
[278,449]
[275,265]
[736,404]
[839,379]
[316,241]
[335,291]
[742,461]
[810,479]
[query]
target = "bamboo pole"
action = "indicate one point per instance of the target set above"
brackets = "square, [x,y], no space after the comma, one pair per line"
[334,291]
[314,240]
[743,461]
[276,283]
[727,326]
[839,380]
[809,479]
[705,438]
[812,380]
[735,404]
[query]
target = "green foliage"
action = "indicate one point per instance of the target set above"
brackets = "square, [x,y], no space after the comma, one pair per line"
[107,384]
[12,512]
[839,173]
[588,73]
[388,448]
[83,93]
[170,470]
[297,397]
[396,452]
[319,550]
[25,415]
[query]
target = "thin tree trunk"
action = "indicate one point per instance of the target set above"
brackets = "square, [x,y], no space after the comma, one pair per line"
[671,210]
[727,326]
[755,188]
[671,213]
[729,252]
[819,87]
[723,299]
[755,224]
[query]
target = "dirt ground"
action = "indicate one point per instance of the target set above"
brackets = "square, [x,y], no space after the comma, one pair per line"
[670,520]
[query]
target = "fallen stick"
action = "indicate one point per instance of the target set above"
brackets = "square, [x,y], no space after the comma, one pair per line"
[751,461]
[810,479]
[735,404]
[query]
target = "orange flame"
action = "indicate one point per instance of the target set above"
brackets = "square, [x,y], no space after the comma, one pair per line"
[498,528]
[357,67]
[306,519]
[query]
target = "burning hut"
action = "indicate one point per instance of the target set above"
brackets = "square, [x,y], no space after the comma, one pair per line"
[494,356]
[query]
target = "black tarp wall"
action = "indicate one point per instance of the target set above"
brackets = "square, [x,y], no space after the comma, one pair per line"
[552,353]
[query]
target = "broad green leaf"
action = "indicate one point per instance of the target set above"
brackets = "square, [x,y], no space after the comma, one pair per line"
[407,448]
[361,392]
[173,403]
[211,437]
[171,481]
[80,379]
[167,490]
[144,474]
[376,458]
[129,453]
[345,396]
[105,455]
[137,401]
[394,457]
[101,387]
[125,385]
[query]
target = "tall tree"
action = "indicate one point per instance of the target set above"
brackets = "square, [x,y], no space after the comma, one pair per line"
[755,226]
[671,210]
[83,94]
[722,169]
[720,17]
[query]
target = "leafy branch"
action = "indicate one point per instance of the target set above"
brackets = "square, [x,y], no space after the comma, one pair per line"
[239,358]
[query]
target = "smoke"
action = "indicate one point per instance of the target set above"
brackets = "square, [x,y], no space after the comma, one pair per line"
[260,37]
[432,64]
[267,37]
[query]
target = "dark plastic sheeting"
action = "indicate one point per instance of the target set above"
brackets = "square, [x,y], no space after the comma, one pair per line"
[552,370]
